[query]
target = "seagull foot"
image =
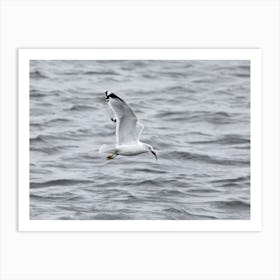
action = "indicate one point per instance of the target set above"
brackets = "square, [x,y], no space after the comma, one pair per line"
[111,156]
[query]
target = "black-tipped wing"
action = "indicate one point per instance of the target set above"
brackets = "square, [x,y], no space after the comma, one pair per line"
[126,132]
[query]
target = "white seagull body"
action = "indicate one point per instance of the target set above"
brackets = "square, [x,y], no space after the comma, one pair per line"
[128,131]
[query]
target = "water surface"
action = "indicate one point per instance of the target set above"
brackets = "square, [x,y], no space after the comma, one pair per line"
[196,116]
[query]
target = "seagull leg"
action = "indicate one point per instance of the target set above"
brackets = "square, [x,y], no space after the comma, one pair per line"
[112,156]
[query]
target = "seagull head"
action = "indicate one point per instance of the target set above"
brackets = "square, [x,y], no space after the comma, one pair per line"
[149,148]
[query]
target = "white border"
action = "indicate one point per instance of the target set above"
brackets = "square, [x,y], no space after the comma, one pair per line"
[254,224]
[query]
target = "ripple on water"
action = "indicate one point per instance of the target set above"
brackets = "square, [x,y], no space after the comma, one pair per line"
[196,115]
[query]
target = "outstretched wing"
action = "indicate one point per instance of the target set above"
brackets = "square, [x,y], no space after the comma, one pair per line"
[139,128]
[126,132]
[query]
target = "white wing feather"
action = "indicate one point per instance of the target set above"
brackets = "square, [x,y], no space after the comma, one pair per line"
[126,132]
[139,128]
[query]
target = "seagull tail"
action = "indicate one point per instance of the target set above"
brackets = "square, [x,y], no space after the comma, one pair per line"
[107,149]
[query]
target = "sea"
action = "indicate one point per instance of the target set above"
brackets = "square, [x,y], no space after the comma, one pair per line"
[196,115]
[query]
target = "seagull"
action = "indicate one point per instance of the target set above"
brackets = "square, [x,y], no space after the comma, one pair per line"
[128,131]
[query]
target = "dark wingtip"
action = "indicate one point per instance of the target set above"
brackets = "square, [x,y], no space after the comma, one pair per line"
[107,96]
[112,95]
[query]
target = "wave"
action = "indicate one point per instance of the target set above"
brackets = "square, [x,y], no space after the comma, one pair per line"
[203,81]
[57,92]
[216,118]
[147,182]
[149,76]
[176,89]
[59,182]
[232,204]
[173,74]
[46,93]
[183,114]
[82,107]
[183,214]
[137,63]
[36,93]
[37,75]
[244,67]
[107,216]
[231,139]
[60,136]
[179,90]
[100,73]
[66,196]
[74,73]
[204,158]
[149,170]
[37,139]
[236,185]
[199,191]
[219,117]
[242,75]
[171,192]
[52,149]
[58,120]
[45,150]
[233,180]
[43,138]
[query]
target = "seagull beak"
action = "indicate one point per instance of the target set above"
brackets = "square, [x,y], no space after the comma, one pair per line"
[154,153]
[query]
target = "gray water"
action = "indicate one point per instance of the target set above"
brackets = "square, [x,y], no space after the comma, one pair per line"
[196,116]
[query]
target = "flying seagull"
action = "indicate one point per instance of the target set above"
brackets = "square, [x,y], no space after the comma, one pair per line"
[128,131]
